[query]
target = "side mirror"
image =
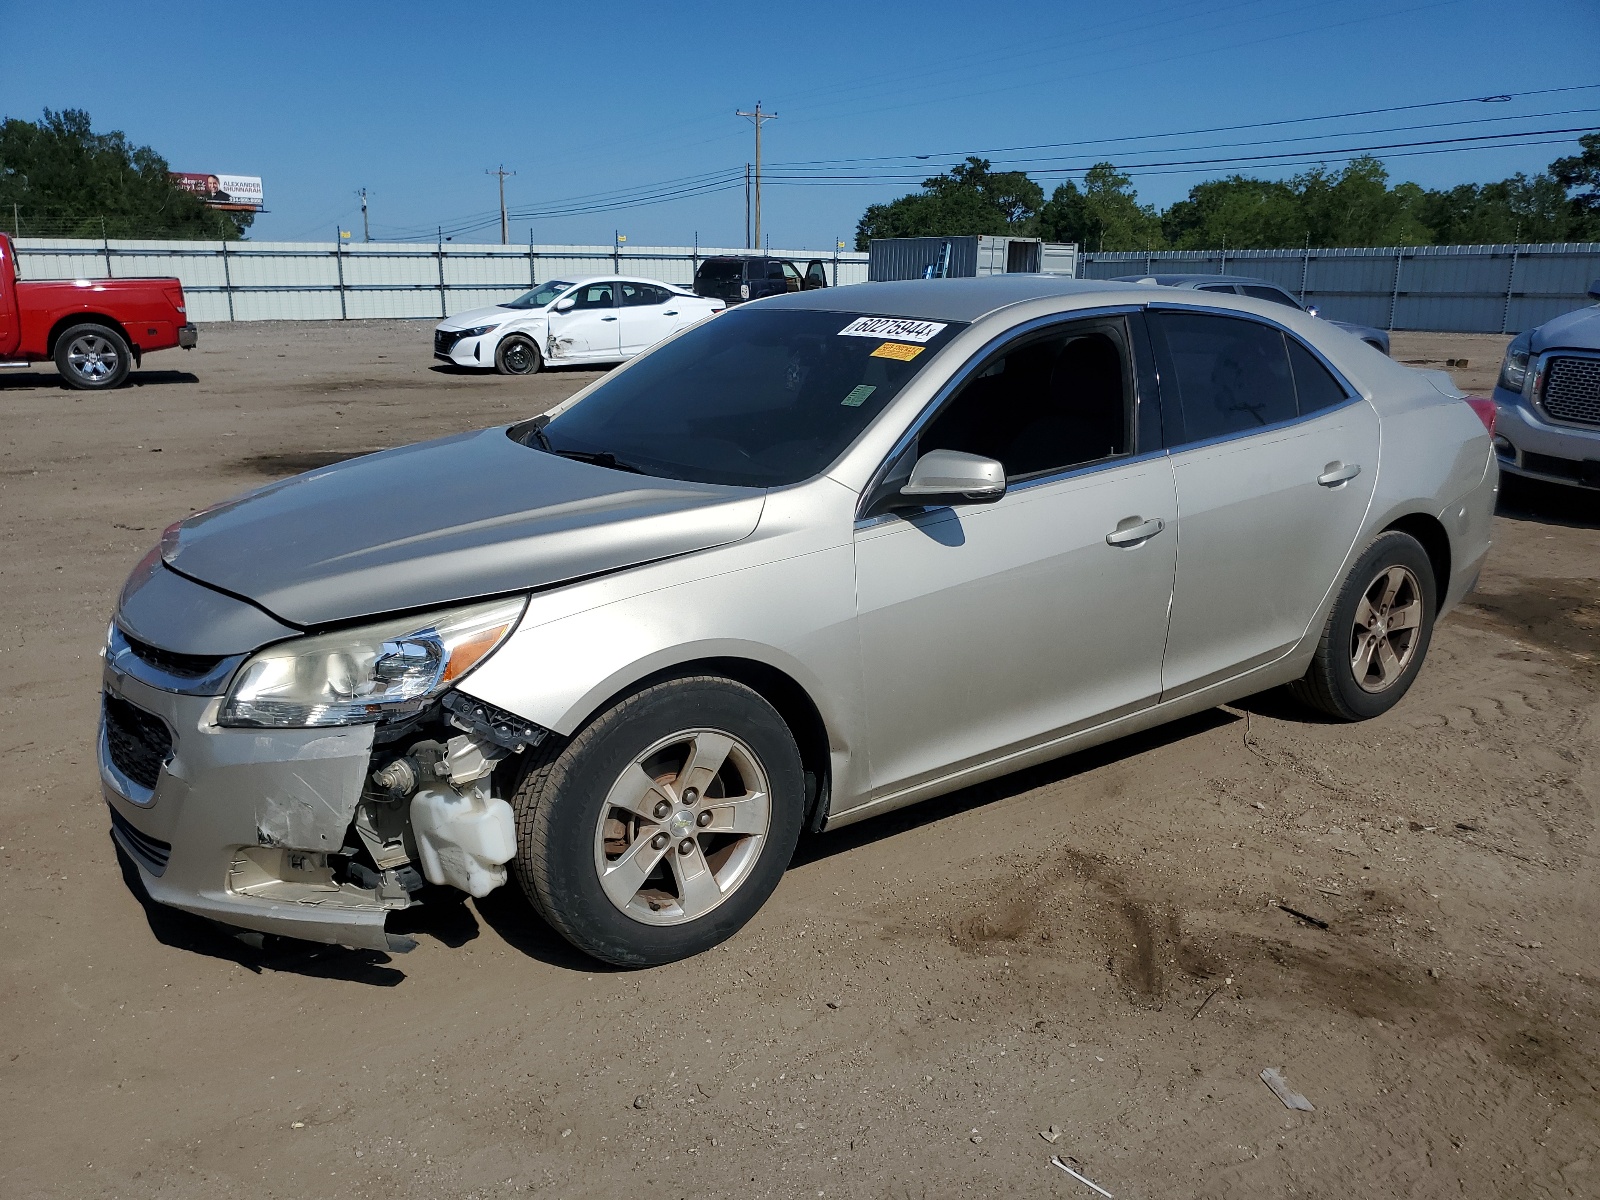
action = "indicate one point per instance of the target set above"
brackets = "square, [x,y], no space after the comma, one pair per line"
[952,477]
[565,305]
[1311,310]
[1594,289]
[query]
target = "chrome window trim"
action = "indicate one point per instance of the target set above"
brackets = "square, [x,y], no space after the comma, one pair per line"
[963,373]
[1352,393]
[1538,379]
[124,661]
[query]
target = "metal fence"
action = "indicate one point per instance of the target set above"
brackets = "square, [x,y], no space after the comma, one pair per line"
[1452,289]
[300,281]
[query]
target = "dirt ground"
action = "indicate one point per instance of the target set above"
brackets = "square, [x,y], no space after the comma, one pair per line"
[1401,914]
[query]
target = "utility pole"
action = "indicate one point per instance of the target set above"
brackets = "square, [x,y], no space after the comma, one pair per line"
[756,118]
[747,206]
[505,229]
[366,232]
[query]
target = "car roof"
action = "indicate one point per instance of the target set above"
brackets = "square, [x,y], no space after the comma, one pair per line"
[1197,280]
[952,299]
[616,279]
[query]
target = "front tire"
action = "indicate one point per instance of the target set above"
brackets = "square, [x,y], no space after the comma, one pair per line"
[518,355]
[1377,633]
[93,357]
[664,825]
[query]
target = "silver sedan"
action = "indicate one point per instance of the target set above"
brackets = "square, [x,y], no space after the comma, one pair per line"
[812,560]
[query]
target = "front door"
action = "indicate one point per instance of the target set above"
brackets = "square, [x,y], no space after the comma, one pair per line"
[648,315]
[590,329]
[991,628]
[816,275]
[1275,462]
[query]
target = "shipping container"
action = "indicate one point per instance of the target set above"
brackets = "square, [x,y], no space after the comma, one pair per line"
[966,257]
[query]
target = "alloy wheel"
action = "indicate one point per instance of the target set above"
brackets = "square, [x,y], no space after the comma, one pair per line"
[1387,624]
[93,357]
[682,827]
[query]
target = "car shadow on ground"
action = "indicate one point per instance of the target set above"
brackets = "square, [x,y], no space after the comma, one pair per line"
[1548,503]
[49,379]
[551,368]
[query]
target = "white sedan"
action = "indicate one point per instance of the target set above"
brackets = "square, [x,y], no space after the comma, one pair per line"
[601,320]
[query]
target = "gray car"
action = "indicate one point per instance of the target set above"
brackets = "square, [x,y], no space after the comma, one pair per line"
[809,561]
[1548,396]
[1259,289]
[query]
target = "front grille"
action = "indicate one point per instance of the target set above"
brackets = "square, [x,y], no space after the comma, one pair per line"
[151,853]
[1586,472]
[139,743]
[1572,390]
[189,666]
[444,340]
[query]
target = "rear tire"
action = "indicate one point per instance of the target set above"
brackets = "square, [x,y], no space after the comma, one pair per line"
[1377,633]
[93,358]
[518,355]
[663,826]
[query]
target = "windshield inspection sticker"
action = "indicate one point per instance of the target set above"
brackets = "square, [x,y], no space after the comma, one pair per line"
[892,327]
[898,351]
[858,395]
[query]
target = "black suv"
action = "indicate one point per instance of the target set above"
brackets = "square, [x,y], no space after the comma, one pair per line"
[736,278]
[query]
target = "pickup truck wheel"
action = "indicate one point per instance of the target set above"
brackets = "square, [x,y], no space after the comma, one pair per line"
[517,355]
[662,827]
[93,357]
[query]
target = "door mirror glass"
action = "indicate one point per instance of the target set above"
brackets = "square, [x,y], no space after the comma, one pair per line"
[1311,310]
[954,477]
[565,305]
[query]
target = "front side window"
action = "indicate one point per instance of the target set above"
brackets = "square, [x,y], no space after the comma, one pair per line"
[816,277]
[1231,376]
[593,295]
[1056,401]
[542,295]
[750,398]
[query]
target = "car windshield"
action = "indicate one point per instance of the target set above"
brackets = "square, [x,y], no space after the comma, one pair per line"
[539,297]
[752,398]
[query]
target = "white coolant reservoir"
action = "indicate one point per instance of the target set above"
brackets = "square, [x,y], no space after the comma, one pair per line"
[464,838]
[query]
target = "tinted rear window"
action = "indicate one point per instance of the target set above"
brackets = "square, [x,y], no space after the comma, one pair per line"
[756,398]
[1313,382]
[720,271]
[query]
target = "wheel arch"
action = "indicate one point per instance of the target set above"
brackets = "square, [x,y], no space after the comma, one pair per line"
[779,689]
[86,318]
[1428,530]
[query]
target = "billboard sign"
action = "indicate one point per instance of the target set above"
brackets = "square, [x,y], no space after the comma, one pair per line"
[234,193]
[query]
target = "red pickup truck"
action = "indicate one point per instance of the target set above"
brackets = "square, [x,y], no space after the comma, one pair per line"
[96,330]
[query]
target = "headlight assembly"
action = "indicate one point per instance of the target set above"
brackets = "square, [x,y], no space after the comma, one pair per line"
[1514,371]
[477,330]
[381,672]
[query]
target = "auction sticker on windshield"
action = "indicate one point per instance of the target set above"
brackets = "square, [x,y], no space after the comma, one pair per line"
[892,327]
[898,351]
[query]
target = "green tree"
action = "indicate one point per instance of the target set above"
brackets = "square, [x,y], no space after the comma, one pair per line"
[1579,175]
[1104,215]
[58,177]
[1065,216]
[1258,214]
[1356,207]
[1519,209]
[969,199]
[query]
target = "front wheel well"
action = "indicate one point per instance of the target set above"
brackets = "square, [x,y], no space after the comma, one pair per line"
[783,692]
[86,318]
[1427,530]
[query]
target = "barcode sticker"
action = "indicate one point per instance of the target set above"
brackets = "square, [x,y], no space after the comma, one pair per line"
[858,395]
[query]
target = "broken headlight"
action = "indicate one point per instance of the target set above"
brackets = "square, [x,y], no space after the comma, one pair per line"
[372,673]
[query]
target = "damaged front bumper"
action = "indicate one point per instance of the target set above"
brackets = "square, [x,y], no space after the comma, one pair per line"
[238,825]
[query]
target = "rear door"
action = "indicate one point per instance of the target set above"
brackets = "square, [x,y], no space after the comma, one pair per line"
[645,319]
[1275,460]
[590,329]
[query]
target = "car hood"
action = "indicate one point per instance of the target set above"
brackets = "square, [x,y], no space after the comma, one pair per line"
[466,516]
[493,315]
[1579,330]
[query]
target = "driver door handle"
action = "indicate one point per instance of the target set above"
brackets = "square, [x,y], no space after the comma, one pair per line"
[608,318]
[1336,473]
[1130,531]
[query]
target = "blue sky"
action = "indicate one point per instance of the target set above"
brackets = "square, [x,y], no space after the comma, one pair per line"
[415,101]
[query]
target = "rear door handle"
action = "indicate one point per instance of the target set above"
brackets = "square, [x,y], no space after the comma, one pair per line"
[1336,473]
[1130,531]
[671,312]
[608,318]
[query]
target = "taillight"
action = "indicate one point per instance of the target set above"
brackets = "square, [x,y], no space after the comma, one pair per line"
[1485,410]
